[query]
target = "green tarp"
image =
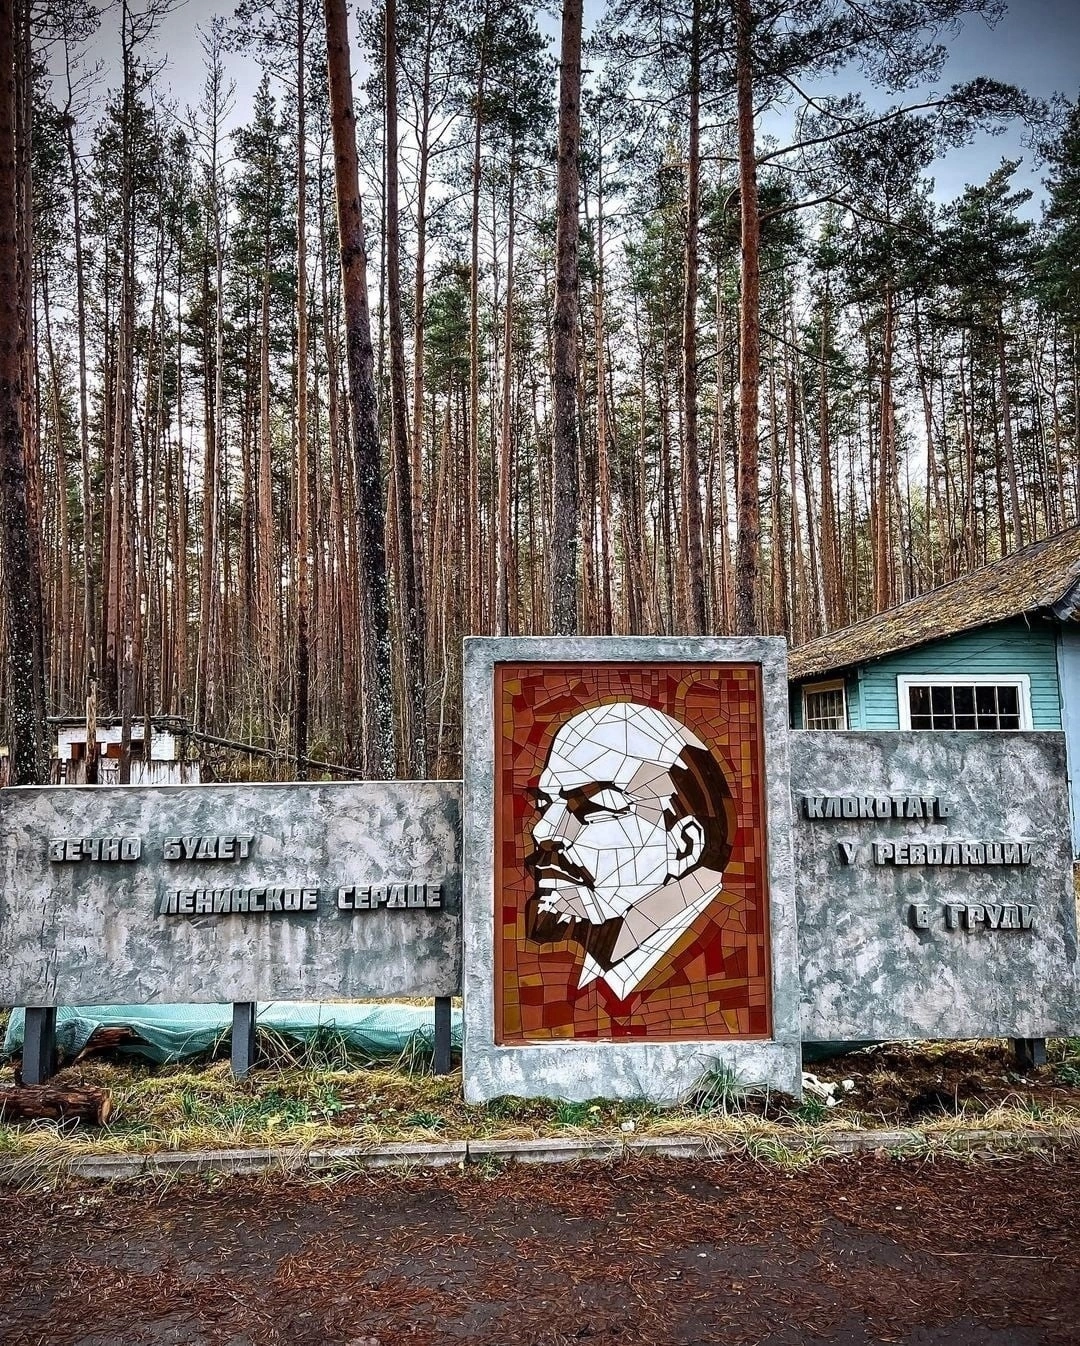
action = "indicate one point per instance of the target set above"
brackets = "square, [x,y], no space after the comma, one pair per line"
[172,1032]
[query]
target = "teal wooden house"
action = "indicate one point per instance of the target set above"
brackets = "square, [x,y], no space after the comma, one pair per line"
[996,649]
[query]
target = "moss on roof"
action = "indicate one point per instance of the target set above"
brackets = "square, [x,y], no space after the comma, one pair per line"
[1043,577]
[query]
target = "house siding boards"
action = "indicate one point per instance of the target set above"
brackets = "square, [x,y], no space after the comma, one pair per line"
[1006,648]
[1069,673]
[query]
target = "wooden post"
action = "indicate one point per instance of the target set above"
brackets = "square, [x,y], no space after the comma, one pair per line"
[243,1037]
[442,1035]
[39,1044]
[1030,1053]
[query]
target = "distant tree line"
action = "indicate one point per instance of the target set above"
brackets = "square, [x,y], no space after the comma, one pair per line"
[654,338]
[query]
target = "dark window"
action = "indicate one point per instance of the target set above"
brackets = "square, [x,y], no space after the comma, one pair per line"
[823,708]
[964,705]
[920,708]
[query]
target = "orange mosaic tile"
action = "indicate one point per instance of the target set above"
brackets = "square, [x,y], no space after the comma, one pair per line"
[631,884]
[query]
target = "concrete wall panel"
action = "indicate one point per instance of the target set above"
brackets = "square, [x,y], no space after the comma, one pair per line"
[88,932]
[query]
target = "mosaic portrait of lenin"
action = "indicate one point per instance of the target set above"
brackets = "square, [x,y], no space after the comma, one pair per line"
[631,890]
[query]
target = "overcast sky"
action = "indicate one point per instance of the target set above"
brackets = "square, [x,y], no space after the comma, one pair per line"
[1037,46]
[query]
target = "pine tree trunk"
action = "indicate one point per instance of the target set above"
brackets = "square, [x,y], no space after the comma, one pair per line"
[412,625]
[24,115]
[603,428]
[363,407]
[748,545]
[564,540]
[301,667]
[935,509]
[24,615]
[830,537]
[124,429]
[419,279]
[693,568]
[780,622]
[1015,517]
[504,546]
[265,541]
[796,630]
[473,567]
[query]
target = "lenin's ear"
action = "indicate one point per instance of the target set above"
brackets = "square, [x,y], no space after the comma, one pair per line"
[686,844]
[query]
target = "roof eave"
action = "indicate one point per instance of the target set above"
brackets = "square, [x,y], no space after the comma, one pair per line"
[1066,609]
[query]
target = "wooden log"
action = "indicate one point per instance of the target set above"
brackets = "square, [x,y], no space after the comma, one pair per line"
[32,1102]
[106,1038]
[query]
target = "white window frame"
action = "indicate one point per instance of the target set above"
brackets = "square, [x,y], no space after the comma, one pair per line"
[1021,681]
[833,685]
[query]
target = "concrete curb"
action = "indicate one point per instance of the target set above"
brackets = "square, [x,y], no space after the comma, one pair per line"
[554,1151]
[264,1160]
[121,1167]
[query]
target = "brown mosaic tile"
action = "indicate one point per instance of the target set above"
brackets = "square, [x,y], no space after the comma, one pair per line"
[712,982]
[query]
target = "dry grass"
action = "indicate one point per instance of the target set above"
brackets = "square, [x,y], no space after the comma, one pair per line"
[295,1107]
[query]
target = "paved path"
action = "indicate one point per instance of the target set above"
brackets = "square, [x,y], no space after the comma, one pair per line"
[645,1253]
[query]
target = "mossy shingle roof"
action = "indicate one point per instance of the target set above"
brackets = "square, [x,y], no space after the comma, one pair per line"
[1043,577]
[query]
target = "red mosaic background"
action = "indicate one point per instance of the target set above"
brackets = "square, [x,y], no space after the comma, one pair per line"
[714,983]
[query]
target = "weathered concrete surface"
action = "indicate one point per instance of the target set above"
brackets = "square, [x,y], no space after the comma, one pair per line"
[87,933]
[866,972]
[580,1070]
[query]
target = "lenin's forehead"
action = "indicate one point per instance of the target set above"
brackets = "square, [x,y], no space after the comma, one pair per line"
[613,743]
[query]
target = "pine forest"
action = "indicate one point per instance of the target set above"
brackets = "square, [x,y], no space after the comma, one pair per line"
[477,319]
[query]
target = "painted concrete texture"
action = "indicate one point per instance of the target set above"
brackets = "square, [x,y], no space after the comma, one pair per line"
[878,957]
[588,1069]
[88,932]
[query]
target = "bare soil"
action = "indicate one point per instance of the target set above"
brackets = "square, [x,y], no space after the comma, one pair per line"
[642,1253]
[898,1083]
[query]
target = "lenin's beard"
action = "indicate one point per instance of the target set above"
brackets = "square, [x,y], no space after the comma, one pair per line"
[551,927]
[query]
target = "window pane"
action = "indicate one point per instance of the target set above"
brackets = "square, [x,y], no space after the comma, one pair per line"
[965,705]
[941,702]
[919,700]
[825,709]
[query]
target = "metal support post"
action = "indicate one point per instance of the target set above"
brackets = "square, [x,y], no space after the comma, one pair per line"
[39,1044]
[243,1037]
[442,1035]
[1029,1053]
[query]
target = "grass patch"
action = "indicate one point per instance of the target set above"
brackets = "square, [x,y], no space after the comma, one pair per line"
[300,1099]
[1067,1068]
[811,1111]
[719,1090]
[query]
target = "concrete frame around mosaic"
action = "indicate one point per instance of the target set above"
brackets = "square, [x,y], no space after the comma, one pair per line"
[656,1070]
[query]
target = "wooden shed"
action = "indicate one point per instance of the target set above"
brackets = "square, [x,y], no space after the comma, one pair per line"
[997,649]
[167,763]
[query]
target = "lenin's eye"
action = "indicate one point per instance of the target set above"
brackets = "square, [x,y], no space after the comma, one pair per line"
[605,803]
[538,799]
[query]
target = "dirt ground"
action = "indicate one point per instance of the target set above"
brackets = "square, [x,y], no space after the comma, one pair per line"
[902,1083]
[645,1253]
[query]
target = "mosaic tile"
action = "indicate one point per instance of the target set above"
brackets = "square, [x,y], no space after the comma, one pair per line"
[572,962]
